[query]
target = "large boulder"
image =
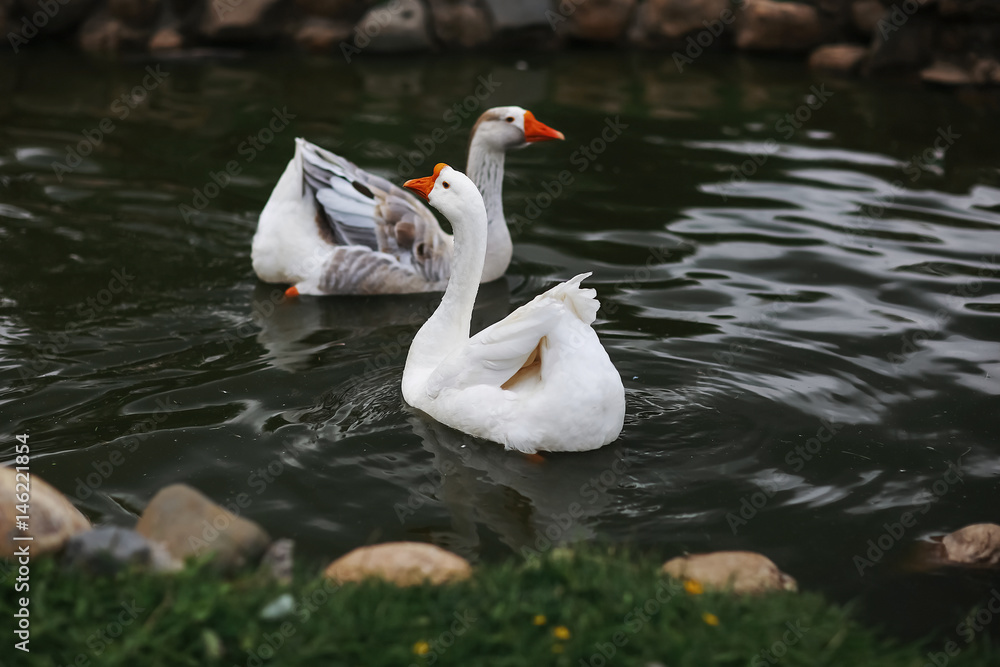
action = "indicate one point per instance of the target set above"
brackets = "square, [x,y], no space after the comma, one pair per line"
[902,42]
[513,14]
[402,563]
[976,9]
[736,571]
[778,26]
[866,14]
[338,10]
[52,519]
[189,524]
[398,27]
[668,21]
[104,33]
[461,23]
[599,20]
[978,544]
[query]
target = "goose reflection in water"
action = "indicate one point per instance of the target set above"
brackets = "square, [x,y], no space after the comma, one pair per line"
[530,505]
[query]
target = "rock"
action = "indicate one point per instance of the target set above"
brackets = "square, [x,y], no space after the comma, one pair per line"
[842,58]
[461,23]
[338,10]
[320,35]
[599,20]
[402,563]
[103,33]
[907,48]
[108,549]
[977,9]
[739,571]
[765,25]
[946,74]
[241,20]
[394,28]
[166,39]
[513,14]
[659,21]
[978,544]
[866,15]
[279,560]
[986,70]
[189,524]
[134,13]
[52,519]
[67,15]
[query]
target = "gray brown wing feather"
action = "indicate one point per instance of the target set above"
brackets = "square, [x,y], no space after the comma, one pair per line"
[364,209]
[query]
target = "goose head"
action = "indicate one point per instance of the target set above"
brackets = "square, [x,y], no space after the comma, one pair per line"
[451,192]
[503,128]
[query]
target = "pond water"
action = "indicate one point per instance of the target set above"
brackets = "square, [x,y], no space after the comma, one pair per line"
[809,346]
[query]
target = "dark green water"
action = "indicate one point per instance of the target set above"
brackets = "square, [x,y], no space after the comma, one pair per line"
[804,353]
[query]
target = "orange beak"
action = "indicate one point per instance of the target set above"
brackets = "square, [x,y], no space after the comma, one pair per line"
[423,186]
[291,292]
[535,131]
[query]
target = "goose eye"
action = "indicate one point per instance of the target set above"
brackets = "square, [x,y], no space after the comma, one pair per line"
[446,184]
[509,119]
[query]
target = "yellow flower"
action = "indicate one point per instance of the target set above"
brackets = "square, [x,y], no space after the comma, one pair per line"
[693,587]
[710,619]
[561,632]
[557,648]
[539,620]
[421,648]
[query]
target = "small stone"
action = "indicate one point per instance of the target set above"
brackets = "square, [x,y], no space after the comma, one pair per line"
[394,28]
[278,608]
[108,549]
[402,563]
[279,560]
[461,23]
[166,39]
[189,524]
[599,20]
[52,519]
[738,571]
[778,26]
[946,74]
[978,544]
[986,70]
[842,58]
[320,35]
[866,14]
[670,20]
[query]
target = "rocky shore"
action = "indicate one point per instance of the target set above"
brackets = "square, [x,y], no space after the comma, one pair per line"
[943,42]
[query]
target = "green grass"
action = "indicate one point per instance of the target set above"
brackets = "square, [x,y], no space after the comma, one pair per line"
[198,618]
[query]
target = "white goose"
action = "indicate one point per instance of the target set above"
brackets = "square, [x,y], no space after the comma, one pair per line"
[538,379]
[332,228]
